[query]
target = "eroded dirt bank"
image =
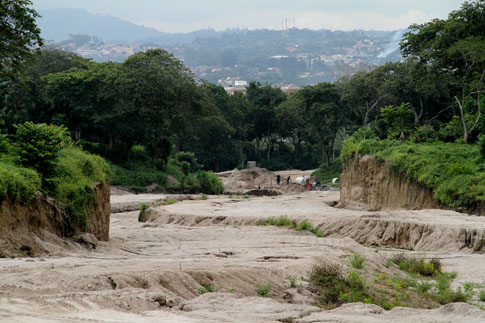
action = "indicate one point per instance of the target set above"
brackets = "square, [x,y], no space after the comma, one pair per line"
[153,271]
[39,226]
[369,183]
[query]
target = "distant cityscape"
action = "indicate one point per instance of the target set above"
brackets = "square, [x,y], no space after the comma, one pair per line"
[295,57]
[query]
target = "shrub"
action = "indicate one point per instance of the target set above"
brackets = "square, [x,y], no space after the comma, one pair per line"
[328,280]
[436,264]
[423,134]
[304,225]
[39,145]
[389,262]
[18,183]
[284,221]
[423,287]
[481,144]
[207,288]
[265,290]
[138,154]
[357,261]
[481,295]
[170,201]
[210,183]
[404,265]
[398,258]
[450,296]
[187,161]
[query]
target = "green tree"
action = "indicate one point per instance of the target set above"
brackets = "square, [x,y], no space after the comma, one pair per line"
[39,146]
[159,94]
[457,47]
[291,117]
[18,34]
[262,116]
[25,98]
[326,116]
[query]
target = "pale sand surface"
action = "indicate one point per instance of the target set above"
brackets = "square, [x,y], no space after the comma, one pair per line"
[194,242]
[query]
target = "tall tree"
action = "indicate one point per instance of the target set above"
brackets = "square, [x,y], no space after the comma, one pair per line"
[18,34]
[457,47]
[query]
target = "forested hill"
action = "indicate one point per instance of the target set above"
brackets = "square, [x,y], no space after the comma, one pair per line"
[298,56]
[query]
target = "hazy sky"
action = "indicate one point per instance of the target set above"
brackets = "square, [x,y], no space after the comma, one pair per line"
[188,15]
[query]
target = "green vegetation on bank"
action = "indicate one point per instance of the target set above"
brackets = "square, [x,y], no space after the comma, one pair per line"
[42,158]
[454,171]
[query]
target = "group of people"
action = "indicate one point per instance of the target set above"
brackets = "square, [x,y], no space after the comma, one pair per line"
[300,180]
[278,179]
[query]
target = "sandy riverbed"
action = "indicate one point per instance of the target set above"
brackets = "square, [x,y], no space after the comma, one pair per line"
[151,272]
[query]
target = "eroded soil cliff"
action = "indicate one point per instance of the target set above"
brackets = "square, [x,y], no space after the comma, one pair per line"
[39,225]
[369,183]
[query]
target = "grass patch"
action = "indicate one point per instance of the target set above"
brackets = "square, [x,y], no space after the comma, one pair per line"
[284,221]
[207,288]
[169,201]
[357,261]
[265,290]
[202,198]
[18,183]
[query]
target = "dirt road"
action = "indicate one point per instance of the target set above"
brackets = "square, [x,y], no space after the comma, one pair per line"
[160,271]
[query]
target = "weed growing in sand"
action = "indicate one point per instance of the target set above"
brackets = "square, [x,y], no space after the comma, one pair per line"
[293,282]
[144,207]
[468,287]
[264,291]
[306,225]
[481,295]
[389,262]
[357,261]
[170,201]
[207,288]
[284,221]
[418,266]
[424,286]
[202,198]
[245,196]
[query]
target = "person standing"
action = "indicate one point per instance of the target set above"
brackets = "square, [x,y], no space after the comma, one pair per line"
[278,179]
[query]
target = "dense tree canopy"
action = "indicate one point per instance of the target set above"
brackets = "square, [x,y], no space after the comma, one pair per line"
[146,111]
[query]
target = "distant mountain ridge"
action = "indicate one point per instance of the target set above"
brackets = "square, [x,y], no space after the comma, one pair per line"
[298,56]
[57,24]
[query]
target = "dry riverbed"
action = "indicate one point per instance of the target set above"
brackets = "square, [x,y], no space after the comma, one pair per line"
[203,260]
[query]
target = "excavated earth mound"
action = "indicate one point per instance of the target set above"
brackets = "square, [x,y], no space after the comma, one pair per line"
[252,179]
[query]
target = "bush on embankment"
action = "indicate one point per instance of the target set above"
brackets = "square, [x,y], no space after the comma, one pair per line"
[42,158]
[455,172]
